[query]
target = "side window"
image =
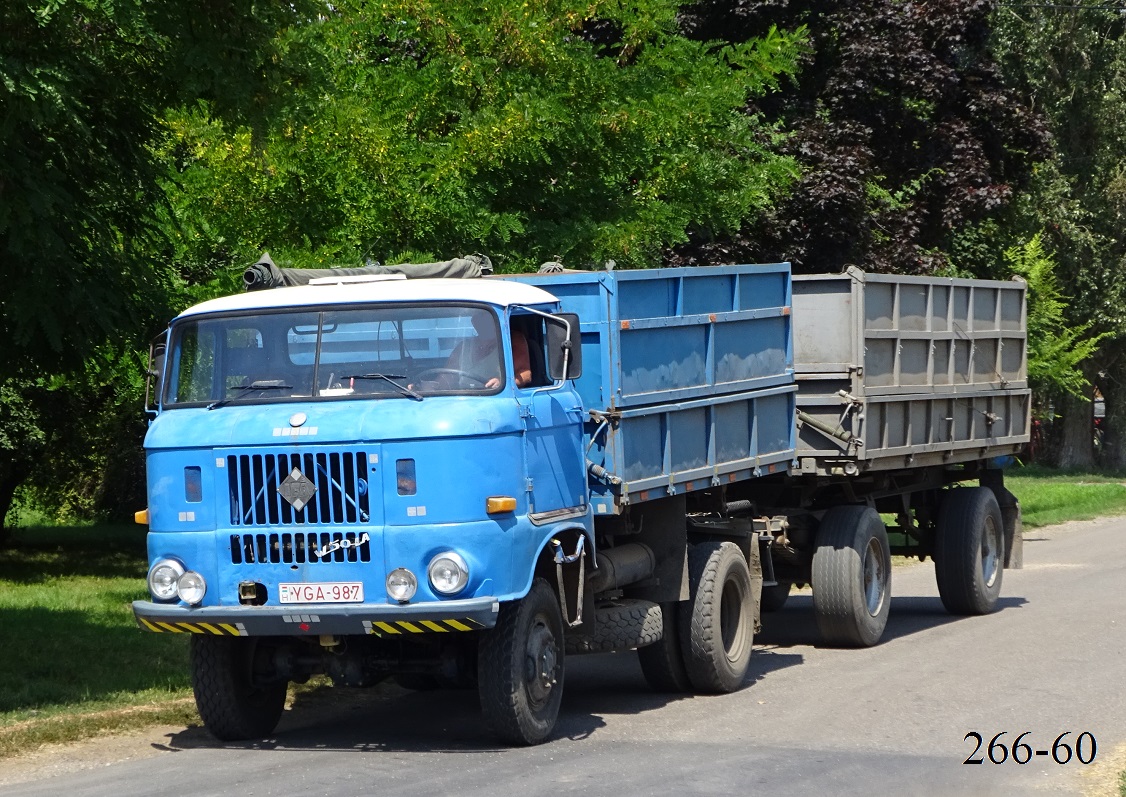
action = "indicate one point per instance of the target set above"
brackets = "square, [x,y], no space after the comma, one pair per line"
[531,329]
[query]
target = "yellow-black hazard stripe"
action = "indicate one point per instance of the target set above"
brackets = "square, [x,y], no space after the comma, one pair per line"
[216,629]
[406,627]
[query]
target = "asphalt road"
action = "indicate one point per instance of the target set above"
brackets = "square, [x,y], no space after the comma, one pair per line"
[887,720]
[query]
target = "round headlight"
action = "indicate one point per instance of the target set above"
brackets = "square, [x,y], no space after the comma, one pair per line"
[191,587]
[448,573]
[401,584]
[163,577]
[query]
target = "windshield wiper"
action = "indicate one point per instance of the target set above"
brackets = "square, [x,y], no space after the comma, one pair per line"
[406,391]
[272,384]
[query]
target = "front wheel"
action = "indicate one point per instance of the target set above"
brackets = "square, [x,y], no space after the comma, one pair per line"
[851,577]
[717,623]
[520,667]
[969,550]
[236,697]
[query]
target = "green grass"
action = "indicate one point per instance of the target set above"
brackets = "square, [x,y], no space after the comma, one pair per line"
[1048,497]
[75,663]
[1122,783]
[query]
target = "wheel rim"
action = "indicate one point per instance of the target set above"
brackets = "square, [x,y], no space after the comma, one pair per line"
[541,658]
[990,551]
[733,620]
[874,577]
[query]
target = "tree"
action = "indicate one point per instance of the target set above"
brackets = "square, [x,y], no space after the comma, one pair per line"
[529,130]
[1056,351]
[903,127]
[1072,59]
[84,242]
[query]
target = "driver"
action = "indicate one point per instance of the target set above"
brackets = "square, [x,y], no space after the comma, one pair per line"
[478,357]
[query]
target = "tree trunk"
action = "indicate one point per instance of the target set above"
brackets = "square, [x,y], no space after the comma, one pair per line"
[10,479]
[1075,434]
[1113,454]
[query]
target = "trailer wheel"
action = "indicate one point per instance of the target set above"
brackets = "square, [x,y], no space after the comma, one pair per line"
[717,621]
[520,667]
[969,550]
[774,597]
[662,663]
[851,577]
[234,702]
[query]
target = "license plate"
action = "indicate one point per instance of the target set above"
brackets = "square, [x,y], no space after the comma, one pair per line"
[322,592]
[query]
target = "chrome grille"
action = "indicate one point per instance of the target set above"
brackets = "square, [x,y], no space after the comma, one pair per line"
[299,548]
[341,497]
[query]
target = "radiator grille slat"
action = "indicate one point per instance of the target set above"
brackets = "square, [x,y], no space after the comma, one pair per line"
[340,498]
[290,548]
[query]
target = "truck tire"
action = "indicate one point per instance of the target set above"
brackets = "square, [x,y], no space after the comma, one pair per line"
[232,705]
[520,667]
[774,597]
[717,621]
[662,663]
[851,577]
[624,624]
[969,550]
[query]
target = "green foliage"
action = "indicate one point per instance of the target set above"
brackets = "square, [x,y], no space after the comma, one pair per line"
[901,123]
[1072,59]
[525,130]
[1056,351]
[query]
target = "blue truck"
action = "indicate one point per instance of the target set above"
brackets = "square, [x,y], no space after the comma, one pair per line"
[461,482]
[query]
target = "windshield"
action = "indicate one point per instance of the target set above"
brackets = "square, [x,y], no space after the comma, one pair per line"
[393,351]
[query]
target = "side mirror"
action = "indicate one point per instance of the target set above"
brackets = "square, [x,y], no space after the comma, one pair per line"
[154,374]
[564,347]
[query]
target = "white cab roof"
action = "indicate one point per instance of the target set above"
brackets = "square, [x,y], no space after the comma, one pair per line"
[486,290]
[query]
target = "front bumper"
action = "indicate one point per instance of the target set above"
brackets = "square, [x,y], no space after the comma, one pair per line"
[409,620]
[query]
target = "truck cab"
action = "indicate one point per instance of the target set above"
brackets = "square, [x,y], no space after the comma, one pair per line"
[360,465]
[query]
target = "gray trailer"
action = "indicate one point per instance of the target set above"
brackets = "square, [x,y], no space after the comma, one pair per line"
[908,388]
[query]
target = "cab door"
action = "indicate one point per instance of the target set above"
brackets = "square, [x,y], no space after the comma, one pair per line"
[553,418]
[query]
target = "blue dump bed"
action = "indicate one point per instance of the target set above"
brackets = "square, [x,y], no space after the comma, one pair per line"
[688,375]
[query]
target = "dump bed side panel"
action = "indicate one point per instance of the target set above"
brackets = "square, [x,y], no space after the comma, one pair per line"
[688,373]
[899,371]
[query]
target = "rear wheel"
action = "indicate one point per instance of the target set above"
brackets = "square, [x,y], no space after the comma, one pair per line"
[236,697]
[662,663]
[969,551]
[851,577]
[520,667]
[717,623]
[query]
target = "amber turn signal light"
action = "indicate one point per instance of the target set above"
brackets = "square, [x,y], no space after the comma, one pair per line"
[496,504]
[141,517]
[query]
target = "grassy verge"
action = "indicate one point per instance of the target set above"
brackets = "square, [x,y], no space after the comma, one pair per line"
[75,664]
[1048,497]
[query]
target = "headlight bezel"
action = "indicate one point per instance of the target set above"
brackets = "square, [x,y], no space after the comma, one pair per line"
[190,593]
[168,588]
[408,584]
[459,565]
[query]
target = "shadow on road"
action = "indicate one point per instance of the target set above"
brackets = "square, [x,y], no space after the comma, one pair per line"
[391,719]
[795,625]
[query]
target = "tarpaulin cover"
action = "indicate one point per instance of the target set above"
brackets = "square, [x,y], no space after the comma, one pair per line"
[266,274]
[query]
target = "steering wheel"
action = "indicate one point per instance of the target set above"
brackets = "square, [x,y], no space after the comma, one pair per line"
[429,373]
